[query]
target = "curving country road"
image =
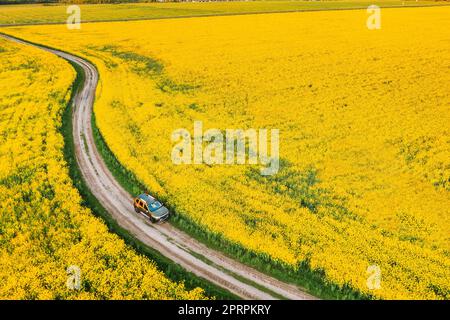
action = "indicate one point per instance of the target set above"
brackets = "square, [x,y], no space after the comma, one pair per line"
[176,245]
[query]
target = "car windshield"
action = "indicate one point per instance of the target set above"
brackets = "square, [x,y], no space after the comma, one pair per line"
[154,205]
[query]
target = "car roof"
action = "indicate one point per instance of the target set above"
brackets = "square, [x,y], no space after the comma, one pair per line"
[147,198]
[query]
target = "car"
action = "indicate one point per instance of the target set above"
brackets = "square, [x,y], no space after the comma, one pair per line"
[150,207]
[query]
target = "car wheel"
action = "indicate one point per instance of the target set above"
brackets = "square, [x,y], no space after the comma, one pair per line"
[136,209]
[153,220]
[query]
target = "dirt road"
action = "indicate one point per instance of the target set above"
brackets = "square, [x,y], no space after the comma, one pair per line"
[176,245]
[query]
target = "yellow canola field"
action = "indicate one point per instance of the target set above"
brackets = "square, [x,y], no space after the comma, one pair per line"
[364,133]
[44,229]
